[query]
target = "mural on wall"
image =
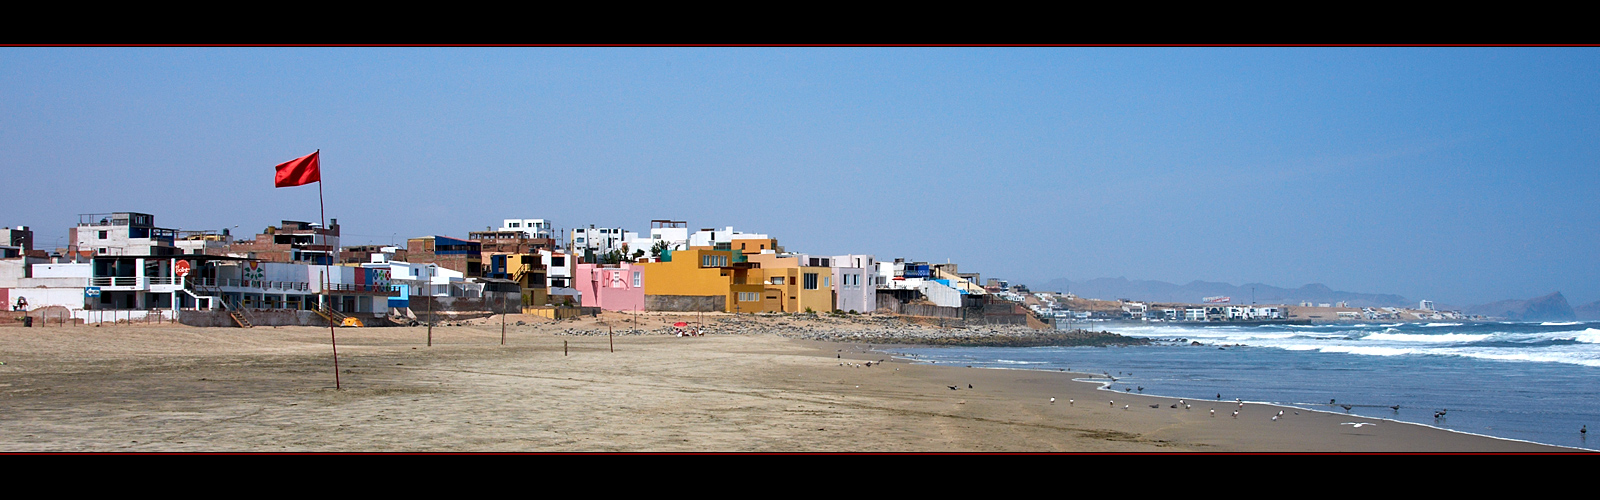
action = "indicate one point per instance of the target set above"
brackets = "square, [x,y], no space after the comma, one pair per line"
[253,272]
[616,279]
[375,278]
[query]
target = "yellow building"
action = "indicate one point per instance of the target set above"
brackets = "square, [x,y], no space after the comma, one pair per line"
[788,286]
[527,269]
[700,279]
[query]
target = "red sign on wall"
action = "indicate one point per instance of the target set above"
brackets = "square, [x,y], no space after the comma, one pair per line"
[181,268]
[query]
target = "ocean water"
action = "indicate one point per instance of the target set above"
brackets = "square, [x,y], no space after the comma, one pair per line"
[1536,382]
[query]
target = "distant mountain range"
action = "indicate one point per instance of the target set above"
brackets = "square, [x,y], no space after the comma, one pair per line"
[1195,291]
[1588,312]
[1551,307]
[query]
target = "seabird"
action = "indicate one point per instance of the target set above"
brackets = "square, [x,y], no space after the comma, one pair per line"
[969,386]
[1052,400]
[1213,413]
[1359,424]
[1274,418]
[1069,402]
[1125,407]
[951,387]
[1236,414]
[1156,406]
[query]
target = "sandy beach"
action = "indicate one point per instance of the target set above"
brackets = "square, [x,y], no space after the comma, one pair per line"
[138,388]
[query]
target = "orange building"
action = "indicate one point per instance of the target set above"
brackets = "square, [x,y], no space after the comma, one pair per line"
[790,285]
[700,279]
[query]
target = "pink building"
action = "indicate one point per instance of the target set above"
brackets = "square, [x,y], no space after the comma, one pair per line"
[613,288]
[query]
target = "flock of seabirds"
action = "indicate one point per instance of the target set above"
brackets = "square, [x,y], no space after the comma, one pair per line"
[1437,415]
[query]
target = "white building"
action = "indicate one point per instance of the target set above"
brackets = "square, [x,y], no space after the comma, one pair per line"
[603,240]
[711,237]
[558,268]
[533,228]
[855,282]
[673,233]
[121,233]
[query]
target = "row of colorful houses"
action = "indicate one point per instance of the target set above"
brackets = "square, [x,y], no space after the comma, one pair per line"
[124,261]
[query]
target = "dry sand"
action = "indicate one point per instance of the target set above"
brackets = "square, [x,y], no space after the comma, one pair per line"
[183,389]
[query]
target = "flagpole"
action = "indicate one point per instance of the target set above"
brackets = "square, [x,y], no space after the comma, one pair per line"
[327,267]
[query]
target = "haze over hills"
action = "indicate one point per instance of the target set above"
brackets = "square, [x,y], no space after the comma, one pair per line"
[1588,312]
[1551,307]
[1195,291]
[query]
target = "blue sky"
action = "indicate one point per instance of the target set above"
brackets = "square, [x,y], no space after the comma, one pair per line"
[1462,175]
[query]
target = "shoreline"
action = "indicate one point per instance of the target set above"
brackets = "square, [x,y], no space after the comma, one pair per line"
[1103,387]
[1101,384]
[743,388]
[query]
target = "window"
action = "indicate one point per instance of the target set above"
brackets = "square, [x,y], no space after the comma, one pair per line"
[777,280]
[748,297]
[516,224]
[558,261]
[811,281]
[102,235]
[638,279]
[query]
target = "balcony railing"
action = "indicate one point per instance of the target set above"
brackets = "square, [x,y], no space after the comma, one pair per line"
[131,281]
[356,288]
[257,284]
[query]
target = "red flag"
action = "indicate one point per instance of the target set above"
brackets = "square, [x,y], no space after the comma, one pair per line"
[299,171]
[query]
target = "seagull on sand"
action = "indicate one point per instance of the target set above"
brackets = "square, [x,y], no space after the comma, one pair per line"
[1274,418]
[1358,425]
[1213,413]
[1112,403]
[1052,400]
[1124,407]
[951,387]
[1236,414]
[1069,402]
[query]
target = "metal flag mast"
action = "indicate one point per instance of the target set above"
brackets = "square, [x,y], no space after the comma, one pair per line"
[299,172]
[327,268]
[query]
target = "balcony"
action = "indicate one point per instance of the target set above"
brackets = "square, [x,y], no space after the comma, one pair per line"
[288,286]
[136,283]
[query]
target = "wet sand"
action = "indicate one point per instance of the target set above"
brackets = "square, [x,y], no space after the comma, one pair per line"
[184,389]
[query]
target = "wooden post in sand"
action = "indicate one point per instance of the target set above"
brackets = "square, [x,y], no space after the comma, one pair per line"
[502,319]
[611,338]
[563,348]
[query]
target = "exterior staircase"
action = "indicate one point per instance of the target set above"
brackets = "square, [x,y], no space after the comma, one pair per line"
[238,317]
[236,311]
[335,317]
